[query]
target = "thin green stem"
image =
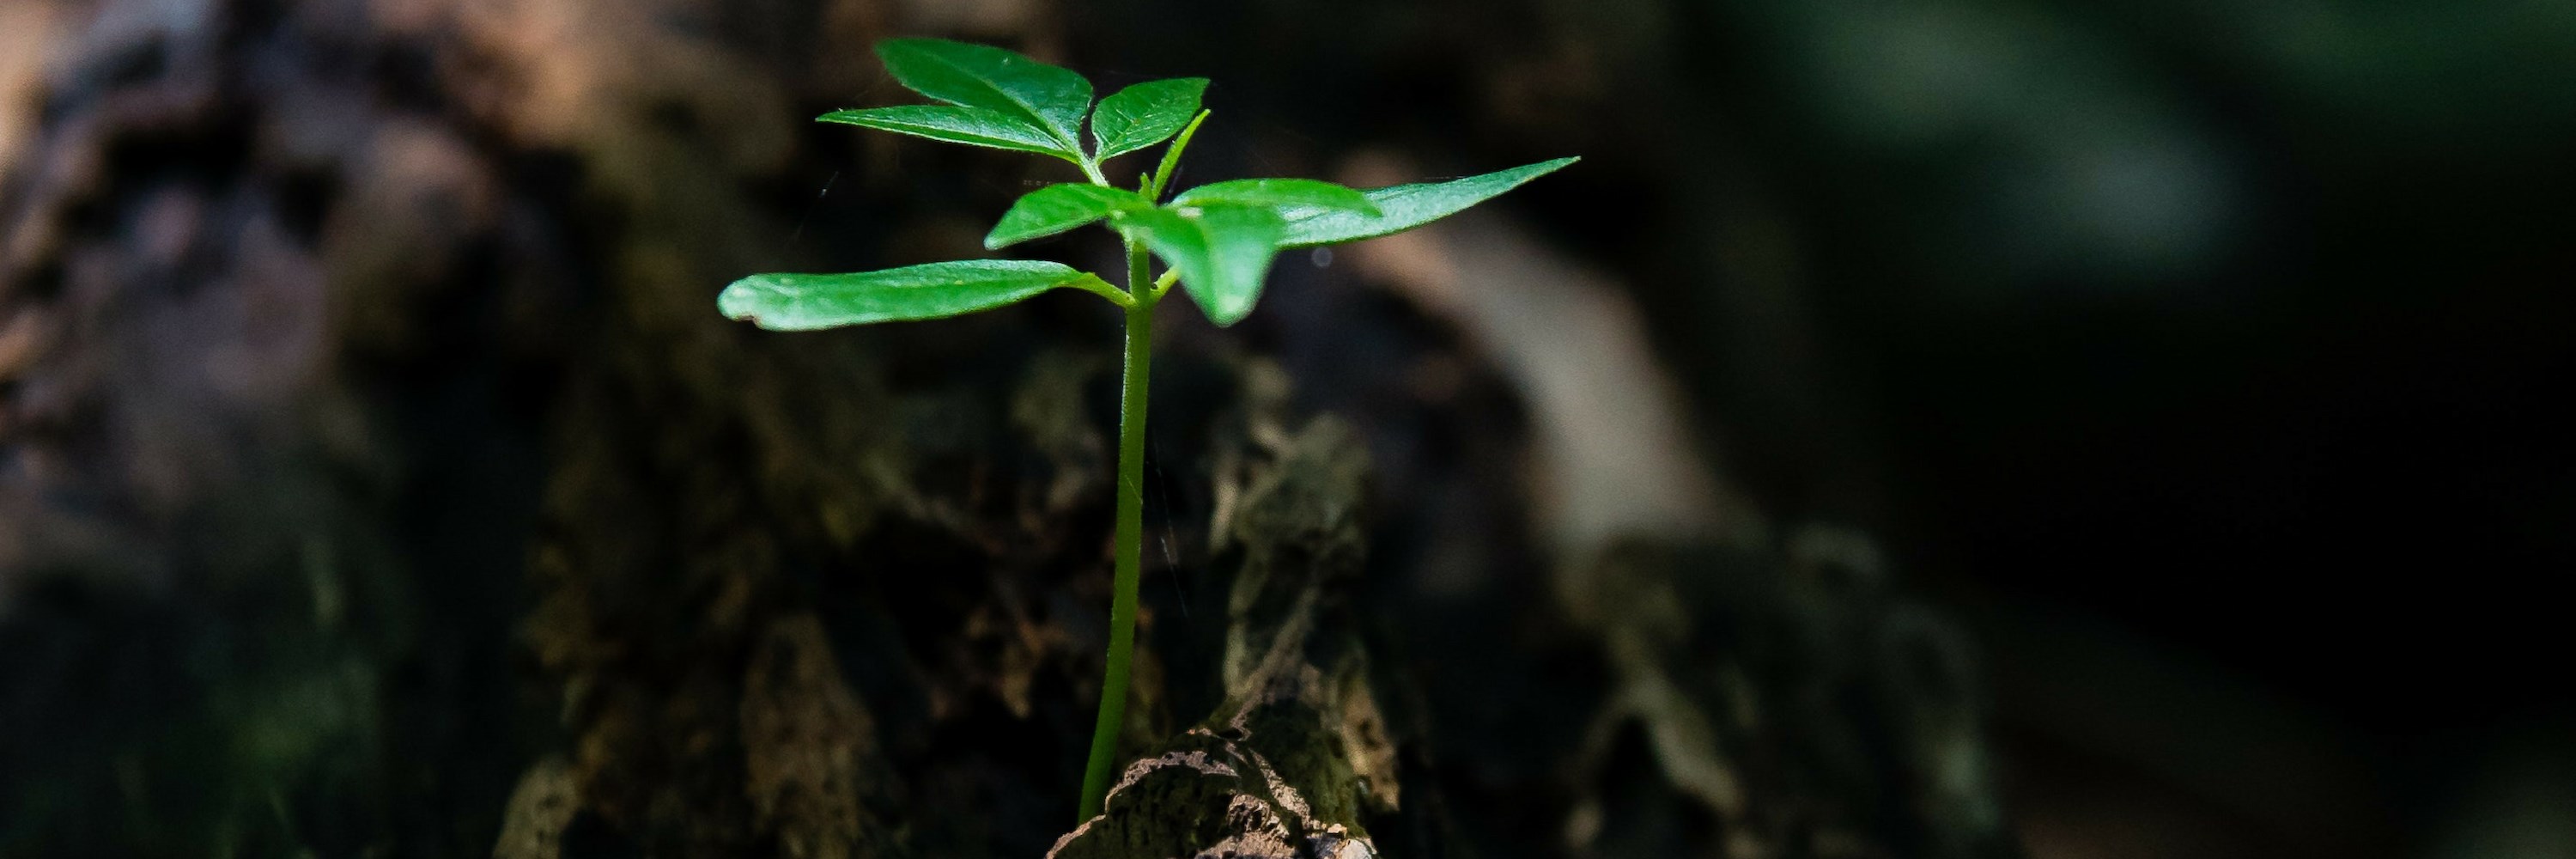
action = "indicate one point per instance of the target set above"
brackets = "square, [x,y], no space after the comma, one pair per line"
[1129,533]
[1092,283]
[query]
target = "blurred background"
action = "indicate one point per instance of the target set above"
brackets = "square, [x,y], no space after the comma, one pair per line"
[2191,360]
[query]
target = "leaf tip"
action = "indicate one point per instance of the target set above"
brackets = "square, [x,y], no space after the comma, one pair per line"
[909,43]
[1227,316]
[1224,308]
[738,302]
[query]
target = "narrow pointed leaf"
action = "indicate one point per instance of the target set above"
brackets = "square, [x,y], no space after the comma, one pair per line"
[1057,208]
[993,79]
[973,126]
[1404,207]
[1172,157]
[1143,115]
[804,302]
[1222,251]
[1280,194]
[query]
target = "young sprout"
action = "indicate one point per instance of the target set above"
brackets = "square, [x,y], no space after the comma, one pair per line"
[1216,241]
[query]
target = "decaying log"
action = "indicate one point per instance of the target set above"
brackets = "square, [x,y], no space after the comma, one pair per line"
[1287,764]
[381,481]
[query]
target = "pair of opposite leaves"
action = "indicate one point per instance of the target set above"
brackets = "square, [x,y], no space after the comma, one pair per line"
[1220,237]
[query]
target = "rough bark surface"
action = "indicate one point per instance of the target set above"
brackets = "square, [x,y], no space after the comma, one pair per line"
[379,480]
[1298,751]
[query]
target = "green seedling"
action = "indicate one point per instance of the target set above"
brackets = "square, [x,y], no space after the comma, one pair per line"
[1216,241]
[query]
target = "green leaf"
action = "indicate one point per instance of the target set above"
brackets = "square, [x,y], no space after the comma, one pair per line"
[1279,194]
[973,126]
[1404,207]
[804,302]
[1143,115]
[993,79]
[1172,157]
[1057,208]
[1222,251]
